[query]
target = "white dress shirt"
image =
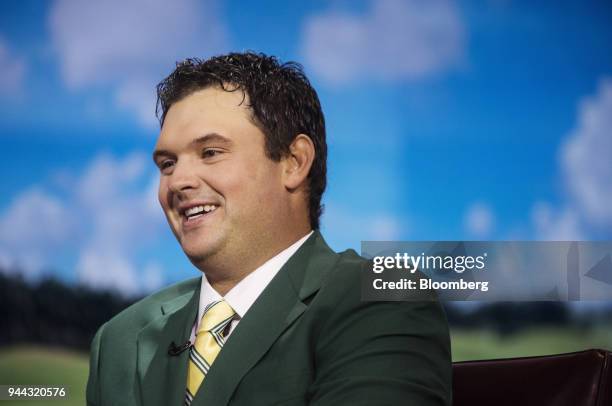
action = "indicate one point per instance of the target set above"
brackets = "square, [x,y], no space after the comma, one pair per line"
[244,294]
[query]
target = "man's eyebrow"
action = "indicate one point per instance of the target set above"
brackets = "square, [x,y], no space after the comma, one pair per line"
[210,137]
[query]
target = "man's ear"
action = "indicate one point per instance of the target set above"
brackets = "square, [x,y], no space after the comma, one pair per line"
[298,161]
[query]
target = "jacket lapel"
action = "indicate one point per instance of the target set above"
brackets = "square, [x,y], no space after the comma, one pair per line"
[163,377]
[279,305]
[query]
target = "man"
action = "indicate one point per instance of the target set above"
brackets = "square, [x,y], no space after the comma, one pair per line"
[276,316]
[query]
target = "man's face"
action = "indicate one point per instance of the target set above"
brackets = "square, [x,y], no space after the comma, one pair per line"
[221,195]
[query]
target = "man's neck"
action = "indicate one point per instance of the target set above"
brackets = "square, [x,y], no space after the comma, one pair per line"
[225,285]
[224,279]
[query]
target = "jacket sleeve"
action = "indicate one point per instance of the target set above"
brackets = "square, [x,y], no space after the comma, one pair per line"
[93,389]
[383,353]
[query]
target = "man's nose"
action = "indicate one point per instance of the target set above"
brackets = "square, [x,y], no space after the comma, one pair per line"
[182,178]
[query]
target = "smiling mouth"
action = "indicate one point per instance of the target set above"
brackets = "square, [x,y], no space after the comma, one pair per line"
[194,213]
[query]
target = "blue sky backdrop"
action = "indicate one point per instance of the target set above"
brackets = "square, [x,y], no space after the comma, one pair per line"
[468,120]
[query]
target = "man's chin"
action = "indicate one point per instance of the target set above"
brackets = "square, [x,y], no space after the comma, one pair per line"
[198,259]
[198,254]
[202,249]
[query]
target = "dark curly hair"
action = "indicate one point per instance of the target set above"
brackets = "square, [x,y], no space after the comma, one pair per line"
[282,101]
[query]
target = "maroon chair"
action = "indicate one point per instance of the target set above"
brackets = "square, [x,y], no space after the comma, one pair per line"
[576,379]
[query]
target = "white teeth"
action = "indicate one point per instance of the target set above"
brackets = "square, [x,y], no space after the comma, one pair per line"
[199,209]
[209,207]
[194,210]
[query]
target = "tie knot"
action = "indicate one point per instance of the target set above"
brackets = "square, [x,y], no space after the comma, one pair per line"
[216,316]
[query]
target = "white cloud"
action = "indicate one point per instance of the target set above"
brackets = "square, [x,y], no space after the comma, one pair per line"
[138,96]
[153,277]
[109,214]
[587,172]
[384,228]
[131,45]
[587,157]
[479,220]
[118,193]
[31,228]
[12,71]
[35,217]
[106,178]
[394,40]
[556,225]
[107,270]
[345,227]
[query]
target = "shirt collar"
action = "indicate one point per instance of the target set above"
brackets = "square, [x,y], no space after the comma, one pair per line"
[244,294]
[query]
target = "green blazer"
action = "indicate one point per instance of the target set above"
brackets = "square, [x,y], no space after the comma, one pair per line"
[307,340]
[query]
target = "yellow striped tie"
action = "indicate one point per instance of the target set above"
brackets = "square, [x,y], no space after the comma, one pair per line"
[208,343]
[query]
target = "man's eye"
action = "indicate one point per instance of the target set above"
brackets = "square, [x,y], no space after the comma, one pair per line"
[166,164]
[209,153]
